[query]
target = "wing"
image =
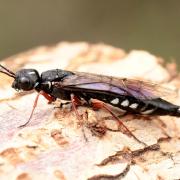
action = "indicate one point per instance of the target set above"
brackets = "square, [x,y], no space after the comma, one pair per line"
[106,84]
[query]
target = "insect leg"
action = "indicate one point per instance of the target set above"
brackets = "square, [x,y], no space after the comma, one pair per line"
[75,101]
[47,96]
[34,106]
[100,105]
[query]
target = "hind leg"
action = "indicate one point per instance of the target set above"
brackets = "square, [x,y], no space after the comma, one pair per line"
[96,104]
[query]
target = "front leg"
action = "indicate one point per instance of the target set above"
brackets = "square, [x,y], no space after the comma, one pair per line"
[47,96]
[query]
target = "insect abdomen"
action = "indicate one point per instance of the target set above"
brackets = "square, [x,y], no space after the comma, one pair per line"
[131,104]
[156,106]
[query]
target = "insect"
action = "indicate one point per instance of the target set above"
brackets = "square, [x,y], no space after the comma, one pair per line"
[133,96]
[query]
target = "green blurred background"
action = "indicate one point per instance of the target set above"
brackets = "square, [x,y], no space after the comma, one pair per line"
[152,25]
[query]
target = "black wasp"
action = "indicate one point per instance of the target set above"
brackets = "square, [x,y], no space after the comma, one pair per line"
[133,96]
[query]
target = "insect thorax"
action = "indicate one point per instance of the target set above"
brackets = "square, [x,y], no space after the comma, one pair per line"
[54,75]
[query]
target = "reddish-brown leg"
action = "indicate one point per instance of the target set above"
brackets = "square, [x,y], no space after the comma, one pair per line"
[100,105]
[47,96]
[75,102]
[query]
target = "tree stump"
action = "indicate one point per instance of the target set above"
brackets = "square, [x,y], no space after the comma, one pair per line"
[55,146]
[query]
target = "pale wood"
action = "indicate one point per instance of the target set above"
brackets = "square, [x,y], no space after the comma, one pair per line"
[52,146]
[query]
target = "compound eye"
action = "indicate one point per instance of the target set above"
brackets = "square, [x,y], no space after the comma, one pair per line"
[25,83]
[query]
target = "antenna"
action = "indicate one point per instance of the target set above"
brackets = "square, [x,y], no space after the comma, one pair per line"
[7,71]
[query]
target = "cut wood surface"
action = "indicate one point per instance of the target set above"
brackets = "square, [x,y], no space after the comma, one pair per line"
[54,145]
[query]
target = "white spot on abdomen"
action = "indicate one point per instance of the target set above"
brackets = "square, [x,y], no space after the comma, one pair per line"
[148,111]
[115,101]
[133,106]
[178,109]
[125,103]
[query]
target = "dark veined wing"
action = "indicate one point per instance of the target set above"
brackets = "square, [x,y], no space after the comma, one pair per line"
[107,84]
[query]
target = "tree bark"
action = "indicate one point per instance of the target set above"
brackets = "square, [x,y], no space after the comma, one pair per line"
[55,145]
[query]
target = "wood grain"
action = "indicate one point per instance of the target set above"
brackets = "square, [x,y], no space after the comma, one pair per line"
[53,146]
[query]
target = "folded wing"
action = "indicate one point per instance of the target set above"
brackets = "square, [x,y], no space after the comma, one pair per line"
[107,84]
